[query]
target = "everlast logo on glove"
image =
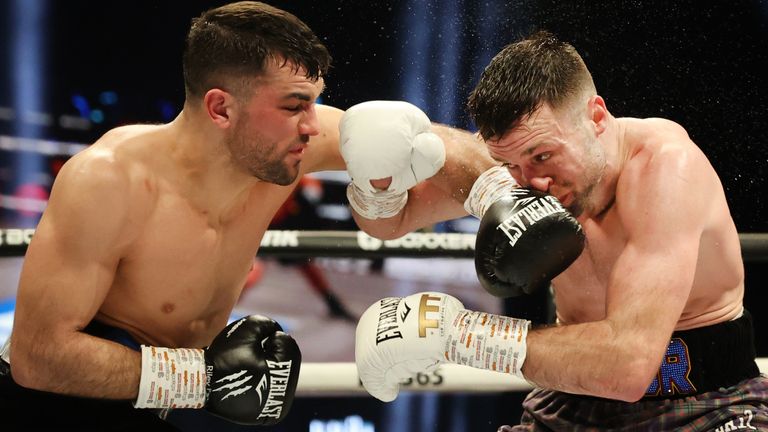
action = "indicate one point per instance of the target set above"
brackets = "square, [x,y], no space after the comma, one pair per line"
[526,212]
[388,328]
[253,369]
[525,239]
[276,381]
[279,375]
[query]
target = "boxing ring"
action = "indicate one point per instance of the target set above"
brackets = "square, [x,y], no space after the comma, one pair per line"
[340,378]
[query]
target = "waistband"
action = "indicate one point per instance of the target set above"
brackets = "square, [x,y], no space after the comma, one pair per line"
[706,359]
[115,334]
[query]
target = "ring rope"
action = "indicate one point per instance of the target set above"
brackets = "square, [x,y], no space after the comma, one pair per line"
[341,379]
[358,244]
[327,379]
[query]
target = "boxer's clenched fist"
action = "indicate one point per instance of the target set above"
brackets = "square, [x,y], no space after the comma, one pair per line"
[382,140]
[399,337]
[248,374]
[525,238]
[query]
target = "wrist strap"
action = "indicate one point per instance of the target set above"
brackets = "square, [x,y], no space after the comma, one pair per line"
[487,341]
[171,378]
[377,205]
[487,189]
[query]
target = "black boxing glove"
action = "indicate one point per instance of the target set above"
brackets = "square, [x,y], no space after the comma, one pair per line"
[525,239]
[248,374]
[253,369]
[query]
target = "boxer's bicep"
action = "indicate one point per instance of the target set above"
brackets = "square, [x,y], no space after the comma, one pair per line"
[663,208]
[72,258]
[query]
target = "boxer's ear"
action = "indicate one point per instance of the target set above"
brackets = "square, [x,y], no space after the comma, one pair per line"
[598,113]
[218,105]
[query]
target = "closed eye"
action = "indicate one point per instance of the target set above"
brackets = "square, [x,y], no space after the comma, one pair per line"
[507,165]
[514,171]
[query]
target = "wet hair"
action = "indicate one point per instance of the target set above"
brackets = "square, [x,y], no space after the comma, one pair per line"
[229,46]
[521,77]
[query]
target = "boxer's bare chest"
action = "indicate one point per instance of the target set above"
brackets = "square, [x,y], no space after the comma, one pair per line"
[184,272]
[580,290]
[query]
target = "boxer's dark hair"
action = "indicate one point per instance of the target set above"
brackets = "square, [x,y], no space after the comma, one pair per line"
[521,77]
[229,46]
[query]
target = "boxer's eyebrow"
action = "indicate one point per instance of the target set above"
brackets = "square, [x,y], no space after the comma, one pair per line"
[297,95]
[307,97]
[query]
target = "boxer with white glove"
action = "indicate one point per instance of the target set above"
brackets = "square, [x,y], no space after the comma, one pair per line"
[398,337]
[383,139]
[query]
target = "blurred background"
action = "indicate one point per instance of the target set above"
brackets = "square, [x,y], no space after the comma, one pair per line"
[72,70]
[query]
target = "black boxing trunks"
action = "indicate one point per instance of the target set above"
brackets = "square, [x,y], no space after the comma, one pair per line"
[706,359]
[708,381]
[52,411]
[115,334]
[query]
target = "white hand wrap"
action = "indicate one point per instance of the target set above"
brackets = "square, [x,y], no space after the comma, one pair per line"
[488,341]
[380,139]
[487,189]
[376,205]
[397,338]
[171,378]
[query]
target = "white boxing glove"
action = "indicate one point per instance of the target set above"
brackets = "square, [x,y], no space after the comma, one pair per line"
[398,337]
[380,139]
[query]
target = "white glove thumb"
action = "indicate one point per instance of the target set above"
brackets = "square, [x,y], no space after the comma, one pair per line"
[427,157]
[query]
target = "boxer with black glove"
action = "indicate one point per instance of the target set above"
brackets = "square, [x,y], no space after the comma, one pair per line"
[247,375]
[526,237]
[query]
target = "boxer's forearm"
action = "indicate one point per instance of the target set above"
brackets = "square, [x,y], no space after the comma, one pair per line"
[384,229]
[466,158]
[79,365]
[427,204]
[592,359]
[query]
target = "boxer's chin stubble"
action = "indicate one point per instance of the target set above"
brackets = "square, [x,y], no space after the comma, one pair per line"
[280,172]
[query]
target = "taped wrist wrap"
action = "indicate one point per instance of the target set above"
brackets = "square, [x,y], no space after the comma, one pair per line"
[487,341]
[487,189]
[379,205]
[171,378]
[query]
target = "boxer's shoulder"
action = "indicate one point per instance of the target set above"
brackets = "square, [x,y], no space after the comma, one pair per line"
[657,137]
[132,134]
